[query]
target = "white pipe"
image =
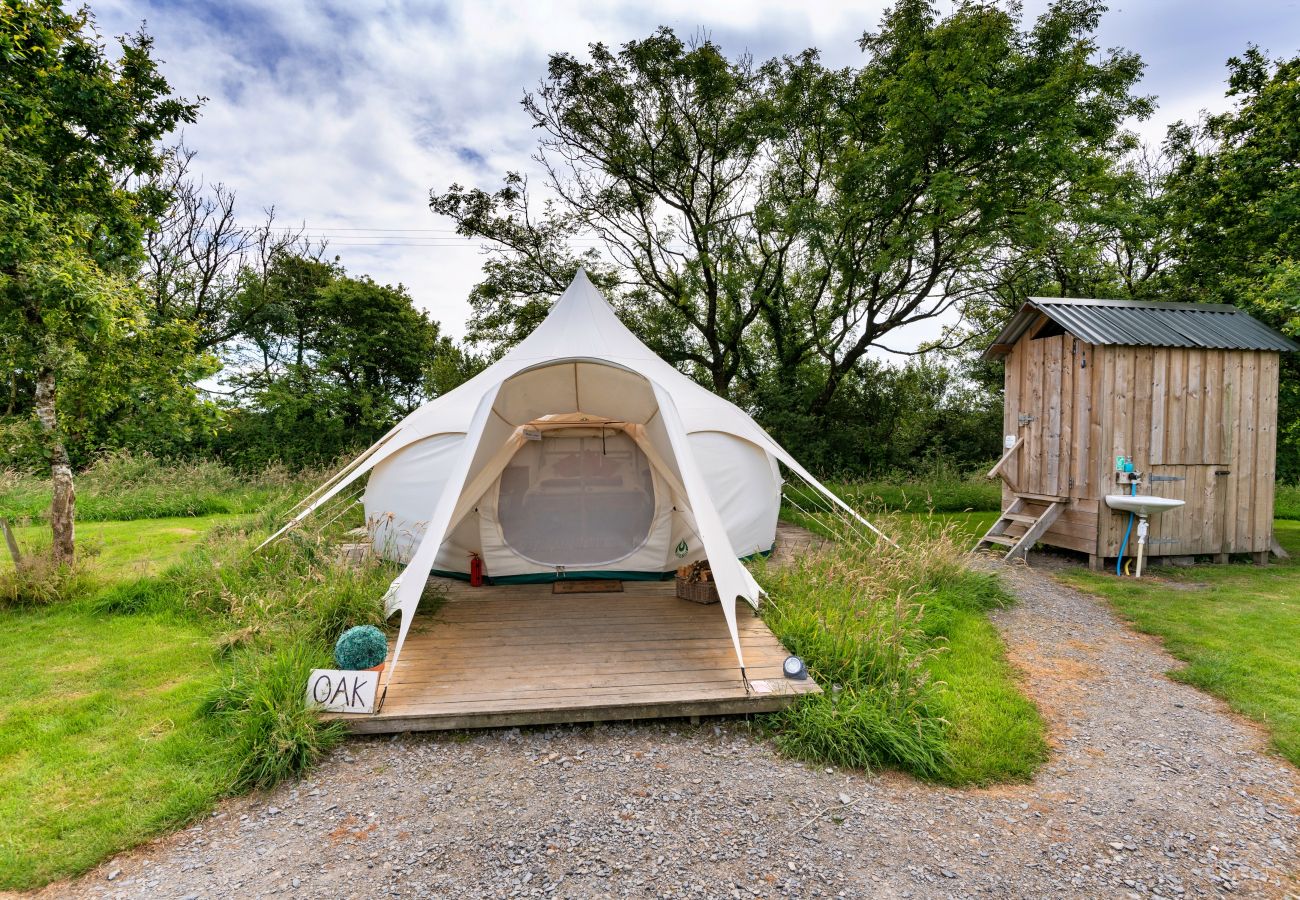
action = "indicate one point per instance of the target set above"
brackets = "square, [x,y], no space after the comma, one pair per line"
[1142,543]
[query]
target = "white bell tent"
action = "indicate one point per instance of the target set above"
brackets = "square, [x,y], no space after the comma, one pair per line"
[578,454]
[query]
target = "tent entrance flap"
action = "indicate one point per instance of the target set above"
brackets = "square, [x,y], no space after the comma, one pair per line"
[577,497]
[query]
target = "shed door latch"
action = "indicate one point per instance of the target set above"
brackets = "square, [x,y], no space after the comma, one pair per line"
[1025,419]
[1155,478]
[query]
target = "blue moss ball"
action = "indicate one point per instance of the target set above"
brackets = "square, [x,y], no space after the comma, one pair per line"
[361,647]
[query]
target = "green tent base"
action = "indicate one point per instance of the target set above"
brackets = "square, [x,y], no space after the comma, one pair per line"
[612,574]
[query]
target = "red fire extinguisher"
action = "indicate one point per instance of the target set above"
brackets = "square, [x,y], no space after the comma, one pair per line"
[475,571]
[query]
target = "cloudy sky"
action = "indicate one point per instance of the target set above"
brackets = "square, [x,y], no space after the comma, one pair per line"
[343,114]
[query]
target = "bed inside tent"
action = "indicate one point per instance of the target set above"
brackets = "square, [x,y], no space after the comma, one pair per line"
[579,455]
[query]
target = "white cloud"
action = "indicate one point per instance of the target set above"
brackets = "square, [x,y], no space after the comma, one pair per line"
[345,115]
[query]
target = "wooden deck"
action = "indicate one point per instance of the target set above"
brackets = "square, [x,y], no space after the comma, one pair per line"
[521,655]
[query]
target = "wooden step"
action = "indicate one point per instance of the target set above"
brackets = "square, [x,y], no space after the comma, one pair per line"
[1035,531]
[1034,528]
[1042,498]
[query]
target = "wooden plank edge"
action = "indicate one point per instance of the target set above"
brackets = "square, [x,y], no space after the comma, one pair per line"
[380,724]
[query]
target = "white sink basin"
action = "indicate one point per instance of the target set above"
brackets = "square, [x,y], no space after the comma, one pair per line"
[1142,504]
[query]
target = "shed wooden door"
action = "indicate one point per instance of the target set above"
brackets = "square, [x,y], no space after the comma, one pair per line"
[1045,416]
[1196,528]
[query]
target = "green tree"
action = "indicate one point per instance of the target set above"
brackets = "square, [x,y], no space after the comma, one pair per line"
[331,362]
[135,389]
[1112,239]
[767,225]
[200,259]
[1234,196]
[79,137]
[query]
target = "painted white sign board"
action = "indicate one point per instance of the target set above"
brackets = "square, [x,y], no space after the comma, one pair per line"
[335,690]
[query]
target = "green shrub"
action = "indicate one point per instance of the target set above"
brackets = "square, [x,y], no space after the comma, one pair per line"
[269,731]
[850,610]
[296,585]
[862,730]
[38,581]
[361,647]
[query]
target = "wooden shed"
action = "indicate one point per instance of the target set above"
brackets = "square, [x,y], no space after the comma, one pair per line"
[1187,392]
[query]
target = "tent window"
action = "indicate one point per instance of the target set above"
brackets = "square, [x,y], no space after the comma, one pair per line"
[577,498]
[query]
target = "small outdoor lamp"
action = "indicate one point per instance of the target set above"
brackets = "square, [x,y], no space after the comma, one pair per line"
[794,668]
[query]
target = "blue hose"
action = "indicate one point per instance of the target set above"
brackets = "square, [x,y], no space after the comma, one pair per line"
[1119,563]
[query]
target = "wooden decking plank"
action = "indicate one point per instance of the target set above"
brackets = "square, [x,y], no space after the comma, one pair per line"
[387,724]
[585,700]
[542,698]
[629,660]
[522,679]
[613,636]
[554,621]
[484,610]
[519,654]
[639,662]
[577,632]
[662,647]
[488,610]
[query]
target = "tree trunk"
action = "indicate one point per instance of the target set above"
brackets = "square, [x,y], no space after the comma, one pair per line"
[63,509]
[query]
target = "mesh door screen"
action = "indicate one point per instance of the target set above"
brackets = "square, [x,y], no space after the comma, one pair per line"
[577,498]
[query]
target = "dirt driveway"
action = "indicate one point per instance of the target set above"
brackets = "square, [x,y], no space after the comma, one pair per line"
[1153,789]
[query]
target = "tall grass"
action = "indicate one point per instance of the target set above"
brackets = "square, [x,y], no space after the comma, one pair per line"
[874,623]
[943,492]
[37,580]
[127,486]
[271,734]
[278,612]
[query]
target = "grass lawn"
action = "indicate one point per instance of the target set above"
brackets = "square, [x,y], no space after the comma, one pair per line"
[996,733]
[117,551]
[970,525]
[101,745]
[1237,627]
[941,495]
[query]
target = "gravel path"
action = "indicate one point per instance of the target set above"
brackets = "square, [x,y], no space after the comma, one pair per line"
[1153,790]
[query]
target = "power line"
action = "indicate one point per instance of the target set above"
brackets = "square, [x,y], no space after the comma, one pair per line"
[397,244]
[433,238]
[416,237]
[366,232]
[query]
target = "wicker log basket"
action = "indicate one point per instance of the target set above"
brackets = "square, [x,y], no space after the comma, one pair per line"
[695,583]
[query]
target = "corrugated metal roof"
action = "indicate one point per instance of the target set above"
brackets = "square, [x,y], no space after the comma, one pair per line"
[1132,323]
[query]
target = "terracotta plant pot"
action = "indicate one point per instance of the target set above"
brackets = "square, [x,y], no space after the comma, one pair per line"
[378,668]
